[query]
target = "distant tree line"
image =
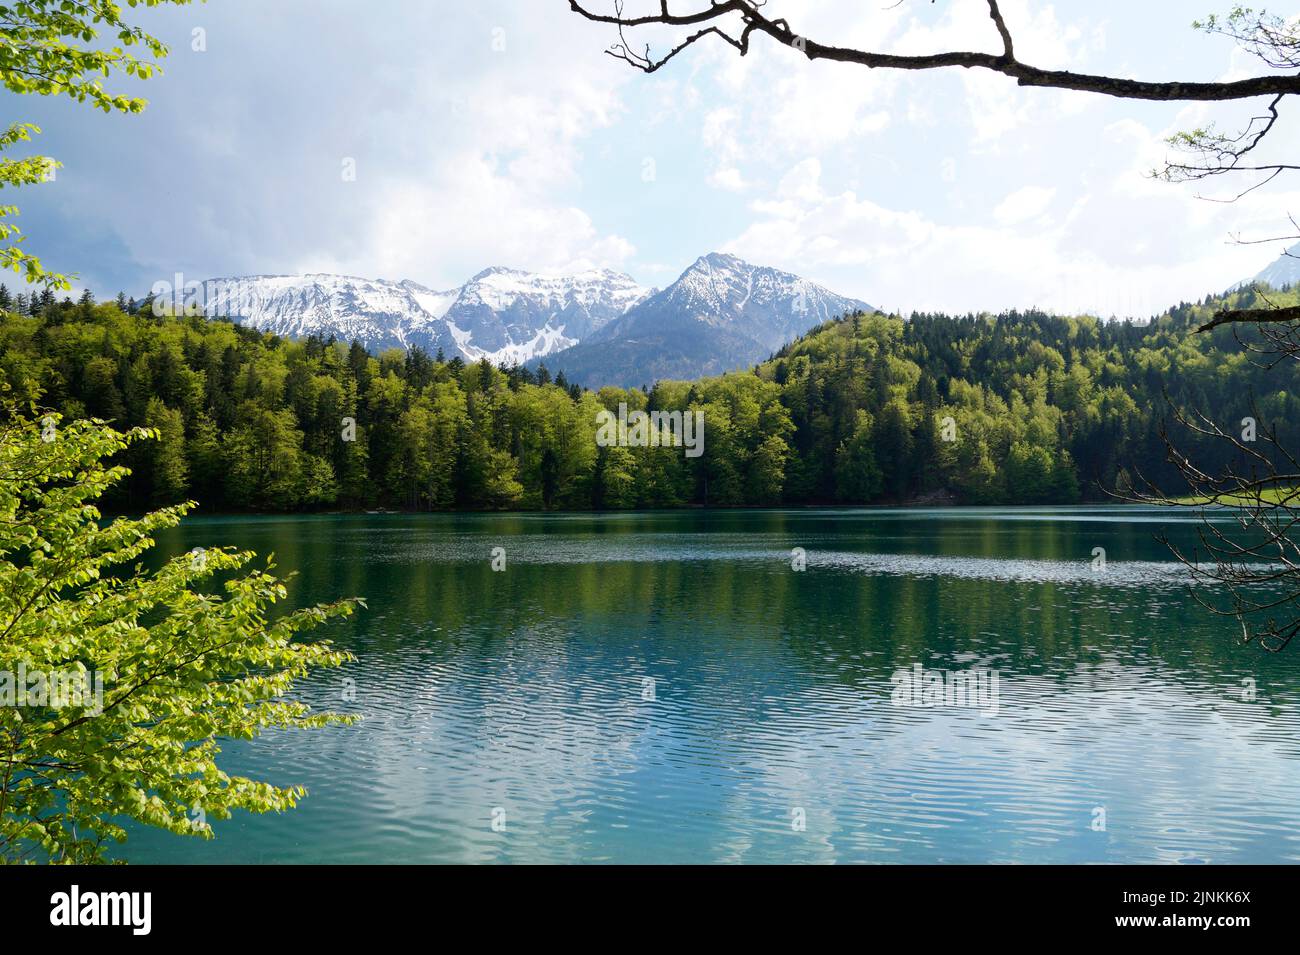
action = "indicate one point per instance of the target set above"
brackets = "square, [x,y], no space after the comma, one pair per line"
[1018,408]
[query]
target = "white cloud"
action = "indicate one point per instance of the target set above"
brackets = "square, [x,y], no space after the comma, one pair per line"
[728,178]
[1025,203]
[486,184]
[470,205]
[1102,257]
[466,155]
[1054,206]
[951,188]
[720,137]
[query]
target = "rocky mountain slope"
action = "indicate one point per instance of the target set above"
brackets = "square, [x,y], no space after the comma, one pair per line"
[1285,271]
[722,313]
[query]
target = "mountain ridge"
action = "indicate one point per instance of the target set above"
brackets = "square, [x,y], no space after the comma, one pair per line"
[720,314]
[506,315]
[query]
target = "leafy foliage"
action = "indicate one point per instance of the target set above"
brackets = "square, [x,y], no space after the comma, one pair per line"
[184,659]
[15,173]
[54,48]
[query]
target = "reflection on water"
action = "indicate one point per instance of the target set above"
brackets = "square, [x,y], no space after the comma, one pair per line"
[665,688]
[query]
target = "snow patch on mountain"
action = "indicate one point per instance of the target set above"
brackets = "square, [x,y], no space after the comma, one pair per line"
[547,341]
[504,315]
[436,304]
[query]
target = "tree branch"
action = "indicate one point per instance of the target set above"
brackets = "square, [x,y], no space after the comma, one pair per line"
[752,17]
[1007,47]
[1233,315]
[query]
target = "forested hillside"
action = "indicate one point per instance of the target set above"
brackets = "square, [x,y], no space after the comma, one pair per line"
[1042,409]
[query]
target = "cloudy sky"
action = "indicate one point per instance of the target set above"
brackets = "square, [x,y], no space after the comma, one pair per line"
[497,133]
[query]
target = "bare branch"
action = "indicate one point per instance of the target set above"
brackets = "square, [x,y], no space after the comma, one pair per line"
[1216,153]
[750,13]
[1257,315]
[1246,564]
[1277,238]
[1266,36]
[1007,47]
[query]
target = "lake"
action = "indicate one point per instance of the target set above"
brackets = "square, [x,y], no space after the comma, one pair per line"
[936,686]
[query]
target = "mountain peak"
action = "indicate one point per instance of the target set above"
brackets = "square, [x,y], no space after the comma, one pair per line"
[722,313]
[721,260]
[495,270]
[1284,271]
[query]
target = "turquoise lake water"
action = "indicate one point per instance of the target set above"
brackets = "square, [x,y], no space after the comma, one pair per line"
[665,687]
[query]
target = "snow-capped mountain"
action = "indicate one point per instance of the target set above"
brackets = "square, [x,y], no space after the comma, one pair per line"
[1285,271]
[721,314]
[508,315]
[600,327]
[504,315]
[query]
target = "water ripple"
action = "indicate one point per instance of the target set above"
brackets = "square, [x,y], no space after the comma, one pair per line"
[666,688]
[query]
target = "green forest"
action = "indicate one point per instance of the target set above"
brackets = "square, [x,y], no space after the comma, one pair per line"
[1016,408]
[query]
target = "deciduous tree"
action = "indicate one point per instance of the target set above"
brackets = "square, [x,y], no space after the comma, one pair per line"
[183,657]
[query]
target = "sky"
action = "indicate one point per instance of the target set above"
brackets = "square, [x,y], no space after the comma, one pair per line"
[430,139]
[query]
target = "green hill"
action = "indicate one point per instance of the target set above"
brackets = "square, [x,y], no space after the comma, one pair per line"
[1019,408]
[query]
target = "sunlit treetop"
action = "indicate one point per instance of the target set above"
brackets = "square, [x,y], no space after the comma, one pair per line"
[68,47]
